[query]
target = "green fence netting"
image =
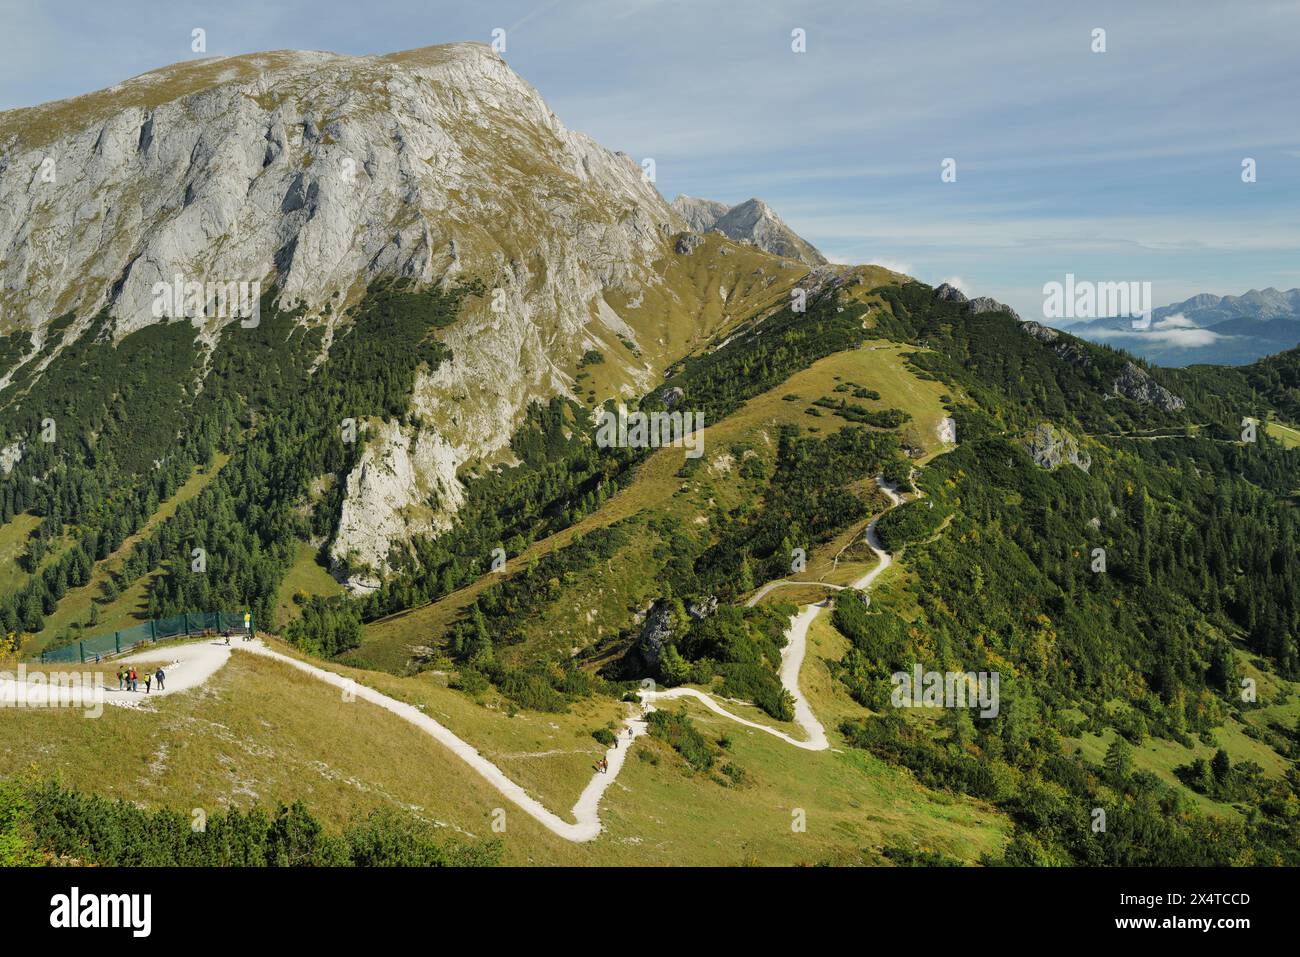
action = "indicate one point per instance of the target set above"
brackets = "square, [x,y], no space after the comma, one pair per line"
[158,629]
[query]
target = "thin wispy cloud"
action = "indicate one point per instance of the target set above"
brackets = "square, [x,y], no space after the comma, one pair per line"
[1123,165]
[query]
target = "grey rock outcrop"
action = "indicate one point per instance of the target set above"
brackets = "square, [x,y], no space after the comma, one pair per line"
[1051,448]
[671,396]
[700,214]
[950,293]
[1136,383]
[703,608]
[656,634]
[752,221]
[1066,348]
[986,304]
[687,243]
[1040,332]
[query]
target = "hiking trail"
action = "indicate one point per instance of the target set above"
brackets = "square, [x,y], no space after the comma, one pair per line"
[190,665]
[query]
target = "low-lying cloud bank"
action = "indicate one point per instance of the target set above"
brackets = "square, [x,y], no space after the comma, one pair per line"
[1176,330]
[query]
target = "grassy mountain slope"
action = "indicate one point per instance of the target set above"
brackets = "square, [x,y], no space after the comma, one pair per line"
[802,409]
[261,732]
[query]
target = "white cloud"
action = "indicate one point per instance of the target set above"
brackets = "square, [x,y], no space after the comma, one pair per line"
[1182,338]
[1176,321]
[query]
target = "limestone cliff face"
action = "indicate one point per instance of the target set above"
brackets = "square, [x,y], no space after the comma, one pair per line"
[315,173]
[700,214]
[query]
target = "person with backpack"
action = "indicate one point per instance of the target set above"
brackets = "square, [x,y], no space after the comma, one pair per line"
[160,676]
[135,681]
[147,678]
[121,678]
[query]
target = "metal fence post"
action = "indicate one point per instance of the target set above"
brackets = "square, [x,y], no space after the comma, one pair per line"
[81,650]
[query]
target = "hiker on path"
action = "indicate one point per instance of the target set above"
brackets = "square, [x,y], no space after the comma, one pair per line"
[120,682]
[135,680]
[147,678]
[160,676]
[227,634]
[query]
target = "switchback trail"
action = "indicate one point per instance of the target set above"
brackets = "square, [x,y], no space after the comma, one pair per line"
[191,665]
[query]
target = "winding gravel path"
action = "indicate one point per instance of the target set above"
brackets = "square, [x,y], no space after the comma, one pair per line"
[191,665]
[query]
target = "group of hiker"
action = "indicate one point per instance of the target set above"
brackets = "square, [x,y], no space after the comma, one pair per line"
[128,679]
[603,764]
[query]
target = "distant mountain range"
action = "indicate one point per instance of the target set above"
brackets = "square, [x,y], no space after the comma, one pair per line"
[1225,330]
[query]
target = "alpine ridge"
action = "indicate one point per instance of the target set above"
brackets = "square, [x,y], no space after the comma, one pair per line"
[314,174]
[752,221]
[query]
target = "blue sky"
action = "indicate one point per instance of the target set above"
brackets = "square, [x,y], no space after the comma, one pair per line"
[1115,166]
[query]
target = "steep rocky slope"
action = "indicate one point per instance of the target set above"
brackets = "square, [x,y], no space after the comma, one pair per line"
[313,174]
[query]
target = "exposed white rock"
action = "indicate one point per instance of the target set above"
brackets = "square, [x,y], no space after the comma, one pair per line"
[1051,447]
[752,221]
[401,472]
[700,214]
[947,430]
[316,173]
[10,456]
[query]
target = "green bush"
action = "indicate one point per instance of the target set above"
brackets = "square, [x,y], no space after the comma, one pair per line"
[91,830]
[677,730]
[752,682]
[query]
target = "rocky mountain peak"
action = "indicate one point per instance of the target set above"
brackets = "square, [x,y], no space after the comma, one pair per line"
[313,174]
[700,214]
[752,221]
